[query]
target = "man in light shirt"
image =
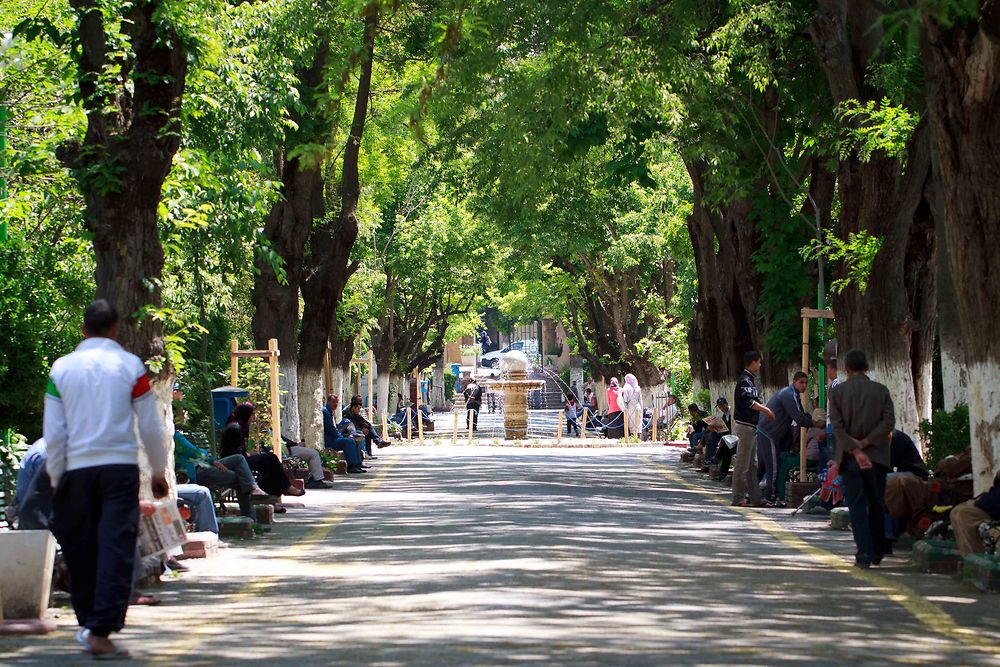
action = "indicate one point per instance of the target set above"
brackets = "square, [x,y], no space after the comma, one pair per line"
[96,396]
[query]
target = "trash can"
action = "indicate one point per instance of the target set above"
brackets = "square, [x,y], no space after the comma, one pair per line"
[224,401]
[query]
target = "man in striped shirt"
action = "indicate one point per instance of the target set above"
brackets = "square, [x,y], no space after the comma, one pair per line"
[96,397]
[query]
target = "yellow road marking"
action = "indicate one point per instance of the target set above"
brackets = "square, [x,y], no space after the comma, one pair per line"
[195,635]
[926,612]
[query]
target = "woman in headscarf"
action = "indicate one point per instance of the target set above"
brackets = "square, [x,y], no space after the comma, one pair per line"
[630,400]
[270,473]
[615,426]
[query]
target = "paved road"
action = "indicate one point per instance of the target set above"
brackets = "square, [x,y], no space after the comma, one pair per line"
[497,556]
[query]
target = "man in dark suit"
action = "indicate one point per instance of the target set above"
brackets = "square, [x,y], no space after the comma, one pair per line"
[862,415]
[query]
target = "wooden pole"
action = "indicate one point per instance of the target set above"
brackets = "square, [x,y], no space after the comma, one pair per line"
[625,423]
[803,440]
[234,364]
[371,387]
[656,418]
[418,415]
[385,428]
[559,430]
[409,424]
[272,358]
[583,426]
[327,371]
[454,433]
[470,427]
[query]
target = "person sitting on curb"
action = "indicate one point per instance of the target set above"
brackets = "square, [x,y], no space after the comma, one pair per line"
[335,439]
[353,413]
[198,467]
[311,456]
[965,518]
[234,441]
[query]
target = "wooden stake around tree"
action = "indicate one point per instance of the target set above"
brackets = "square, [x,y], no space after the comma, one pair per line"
[656,417]
[559,430]
[454,433]
[470,427]
[272,355]
[385,428]
[419,417]
[583,426]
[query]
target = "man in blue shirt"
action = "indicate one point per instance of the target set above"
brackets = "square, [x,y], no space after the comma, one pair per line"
[334,438]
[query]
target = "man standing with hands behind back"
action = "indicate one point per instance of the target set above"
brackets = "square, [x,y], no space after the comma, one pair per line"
[862,416]
[94,396]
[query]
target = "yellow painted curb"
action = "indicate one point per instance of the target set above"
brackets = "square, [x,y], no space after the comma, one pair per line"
[926,612]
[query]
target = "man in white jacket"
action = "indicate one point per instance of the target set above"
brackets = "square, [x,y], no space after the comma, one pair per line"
[96,397]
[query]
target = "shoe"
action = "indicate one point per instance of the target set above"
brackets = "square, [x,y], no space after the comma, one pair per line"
[365,466]
[780,503]
[318,484]
[861,565]
[257,491]
[742,503]
[383,444]
[356,470]
[764,504]
[371,457]
[175,565]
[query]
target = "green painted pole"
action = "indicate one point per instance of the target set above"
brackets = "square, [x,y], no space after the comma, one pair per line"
[3,166]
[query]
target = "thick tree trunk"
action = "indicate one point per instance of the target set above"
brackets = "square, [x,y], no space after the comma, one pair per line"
[962,64]
[132,135]
[893,319]
[331,245]
[382,391]
[954,374]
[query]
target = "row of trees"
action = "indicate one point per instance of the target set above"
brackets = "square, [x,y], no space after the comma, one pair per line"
[654,174]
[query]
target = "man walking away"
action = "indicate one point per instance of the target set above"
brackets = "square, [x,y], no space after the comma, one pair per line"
[95,395]
[473,402]
[747,401]
[862,416]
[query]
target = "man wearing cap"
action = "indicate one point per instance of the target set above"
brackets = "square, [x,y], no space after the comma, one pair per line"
[95,398]
[748,407]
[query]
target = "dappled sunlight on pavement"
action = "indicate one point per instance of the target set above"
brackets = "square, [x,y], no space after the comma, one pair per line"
[463,556]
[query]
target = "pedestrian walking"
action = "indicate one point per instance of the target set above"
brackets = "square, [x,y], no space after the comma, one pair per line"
[572,409]
[630,401]
[473,402]
[862,415]
[748,406]
[96,396]
[615,420]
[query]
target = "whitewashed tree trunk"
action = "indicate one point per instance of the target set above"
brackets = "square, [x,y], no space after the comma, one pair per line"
[954,374]
[311,407]
[382,392]
[338,383]
[899,379]
[984,418]
[437,400]
[288,385]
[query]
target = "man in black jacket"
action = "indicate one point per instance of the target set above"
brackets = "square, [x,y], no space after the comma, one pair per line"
[965,518]
[473,402]
[748,407]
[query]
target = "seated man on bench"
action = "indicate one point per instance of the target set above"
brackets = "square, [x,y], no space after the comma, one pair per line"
[966,518]
[199,467]
[335,439]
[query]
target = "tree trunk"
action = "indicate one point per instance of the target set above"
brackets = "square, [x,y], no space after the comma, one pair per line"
[954,374]
[331,244]
[276,302]
[893,319]
[962,65]
[133,109]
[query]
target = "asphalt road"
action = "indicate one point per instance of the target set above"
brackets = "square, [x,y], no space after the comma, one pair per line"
[500,556]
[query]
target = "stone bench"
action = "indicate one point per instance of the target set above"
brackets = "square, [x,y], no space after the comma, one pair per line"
[27,557]
[982,571]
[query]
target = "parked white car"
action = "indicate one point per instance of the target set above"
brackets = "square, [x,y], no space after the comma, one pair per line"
[492,359]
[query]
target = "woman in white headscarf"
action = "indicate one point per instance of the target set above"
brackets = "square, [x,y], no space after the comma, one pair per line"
[630,401]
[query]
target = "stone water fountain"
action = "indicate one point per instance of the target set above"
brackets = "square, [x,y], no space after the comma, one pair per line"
[515,385]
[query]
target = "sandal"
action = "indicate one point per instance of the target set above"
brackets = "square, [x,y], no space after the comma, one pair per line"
[742,503]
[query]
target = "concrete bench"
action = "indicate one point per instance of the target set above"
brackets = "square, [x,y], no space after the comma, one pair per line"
[936,556]
[26,574]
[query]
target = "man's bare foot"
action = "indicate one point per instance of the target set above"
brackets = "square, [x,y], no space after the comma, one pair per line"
[294,491]
[102,647]
[257,491]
